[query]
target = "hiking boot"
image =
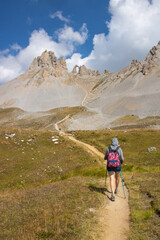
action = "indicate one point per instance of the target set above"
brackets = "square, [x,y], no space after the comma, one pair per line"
[112,198]
[116,191]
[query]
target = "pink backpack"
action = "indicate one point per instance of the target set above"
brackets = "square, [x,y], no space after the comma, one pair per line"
[113,158]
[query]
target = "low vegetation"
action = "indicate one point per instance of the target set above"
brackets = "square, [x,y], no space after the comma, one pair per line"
[45,185]
[133,121]
[141,171]
[17,118]
[47,182]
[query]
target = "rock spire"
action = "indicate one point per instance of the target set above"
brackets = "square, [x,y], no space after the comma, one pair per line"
[49,62]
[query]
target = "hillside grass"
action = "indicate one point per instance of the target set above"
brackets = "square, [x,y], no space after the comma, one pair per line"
[141,173]
[133,121]
[17,118]
[45,187]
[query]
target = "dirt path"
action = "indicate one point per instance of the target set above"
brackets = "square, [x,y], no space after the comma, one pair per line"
[56,124]
[113,216]
[87,93]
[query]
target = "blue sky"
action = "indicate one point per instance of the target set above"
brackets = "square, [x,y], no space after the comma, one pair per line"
[21,17]
[98,33]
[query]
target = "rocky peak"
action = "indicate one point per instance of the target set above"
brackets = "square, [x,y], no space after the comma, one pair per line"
[152,59]
[106,71]
[134,62]
[48,61]
[84,71]
[154,54]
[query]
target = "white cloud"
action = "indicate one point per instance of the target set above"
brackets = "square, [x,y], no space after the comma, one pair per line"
[133,30]
[4,52]
[75,60]
[16,47]
[14,65]
[9,68]
[59,15]
[68,34]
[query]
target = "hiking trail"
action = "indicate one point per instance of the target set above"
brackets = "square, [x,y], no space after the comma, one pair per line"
[113,216]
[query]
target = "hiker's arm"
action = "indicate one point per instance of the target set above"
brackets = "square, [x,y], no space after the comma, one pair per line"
[121,155]
[106,155]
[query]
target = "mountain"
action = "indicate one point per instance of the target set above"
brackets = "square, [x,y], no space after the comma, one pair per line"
[46,85]
[134,90]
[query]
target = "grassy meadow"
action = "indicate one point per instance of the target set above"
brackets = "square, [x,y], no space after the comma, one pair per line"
[141,173]
[45,187]
[17,118]
[47,182]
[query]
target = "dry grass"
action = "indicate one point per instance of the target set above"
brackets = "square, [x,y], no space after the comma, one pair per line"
[31,158]
[141,171]
[17,118]
[132,121]
[45,187]
[62,210]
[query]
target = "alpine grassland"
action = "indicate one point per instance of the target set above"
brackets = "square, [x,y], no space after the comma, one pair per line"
[51,188]
[17,118]
[141,174]
[45,187]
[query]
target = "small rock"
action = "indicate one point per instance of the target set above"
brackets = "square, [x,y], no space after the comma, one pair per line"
[152,149]
[92,210]
[10,135]
[54,140]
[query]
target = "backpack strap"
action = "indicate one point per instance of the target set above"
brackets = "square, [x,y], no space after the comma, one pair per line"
[117,148]
[111,150]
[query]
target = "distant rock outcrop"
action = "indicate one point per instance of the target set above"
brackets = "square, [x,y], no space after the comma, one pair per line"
[106,71]
[151,61]
[84,71]
[48,61]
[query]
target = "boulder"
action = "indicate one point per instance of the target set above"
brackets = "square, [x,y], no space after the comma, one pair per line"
[106,71]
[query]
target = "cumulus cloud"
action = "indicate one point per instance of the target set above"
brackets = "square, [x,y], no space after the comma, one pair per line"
[16,47]
[133,30]
[59,15]
[68,34]
[14,65]
[76,59]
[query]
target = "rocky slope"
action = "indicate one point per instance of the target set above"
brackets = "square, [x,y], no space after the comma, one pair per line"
[134,90]
[46,85]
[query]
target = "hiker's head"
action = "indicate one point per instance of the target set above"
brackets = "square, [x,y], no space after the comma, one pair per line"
[115,142]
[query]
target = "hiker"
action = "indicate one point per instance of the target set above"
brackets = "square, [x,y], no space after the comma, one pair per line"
[114,157]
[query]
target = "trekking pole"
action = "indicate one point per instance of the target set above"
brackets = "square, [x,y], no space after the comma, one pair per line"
[123,185]
[106,176]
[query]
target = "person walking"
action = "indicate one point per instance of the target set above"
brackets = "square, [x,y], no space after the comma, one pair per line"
[114,157]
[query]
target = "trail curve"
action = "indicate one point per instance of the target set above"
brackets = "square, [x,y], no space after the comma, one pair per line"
[113,216]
